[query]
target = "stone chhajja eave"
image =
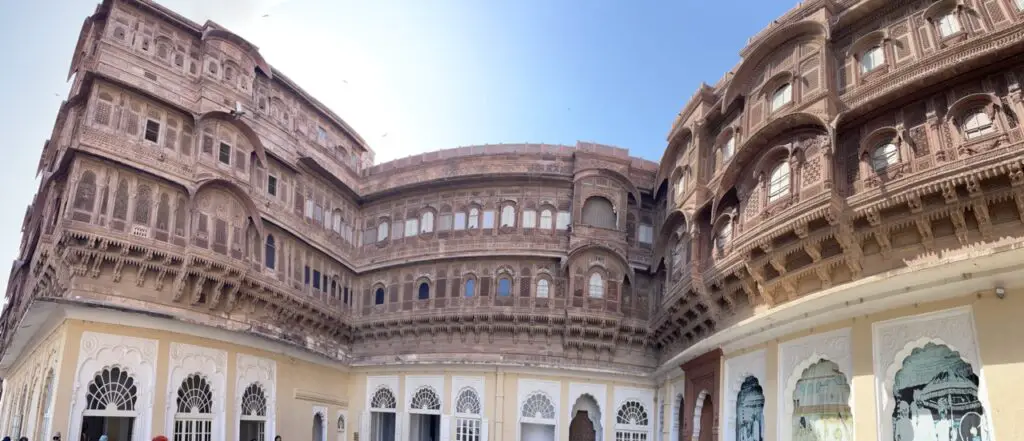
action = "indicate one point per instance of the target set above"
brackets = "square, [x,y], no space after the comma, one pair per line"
[931,67]
[761,235]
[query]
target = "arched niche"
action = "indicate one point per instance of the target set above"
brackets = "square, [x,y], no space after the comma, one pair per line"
[216,204]
[236,123]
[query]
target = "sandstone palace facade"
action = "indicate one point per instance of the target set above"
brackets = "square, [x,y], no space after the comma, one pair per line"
[831,248]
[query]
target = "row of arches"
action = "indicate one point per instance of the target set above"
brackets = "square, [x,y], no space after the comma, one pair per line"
[471,219]
[503,286]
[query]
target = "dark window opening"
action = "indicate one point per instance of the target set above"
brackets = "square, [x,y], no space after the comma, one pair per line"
[225,153]
[152,131]
[424,291]
[379,297]
[272,185]
[316,279]
[307,275]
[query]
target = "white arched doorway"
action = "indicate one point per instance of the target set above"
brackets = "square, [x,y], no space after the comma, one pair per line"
[537,418]
[252,424]
[468,416]
[425,415]
[193,419]
[110,405]
[382,415]
[585,420]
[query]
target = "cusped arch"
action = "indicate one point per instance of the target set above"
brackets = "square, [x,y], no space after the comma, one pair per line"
[797,374]
[251,211]
[606,173]
[243,128]
[595,246]
[791,126]
[986,100]
[676,218]
[241,43]
[753,55]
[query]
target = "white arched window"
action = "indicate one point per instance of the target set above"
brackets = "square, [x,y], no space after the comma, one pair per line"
[112,393]
[778,182]
[884,156]
[474,218]
[871,59]
[723,237]
[508,216]
[427,222]
[537,409]
[253,419]
[596,286]
[729,148]
[631,422]
[382,231]
[542,289]
[949,24]
[782,96]
[545,220]
[680,187]
[382,415]
[977,124]
[193,419]
[468,413]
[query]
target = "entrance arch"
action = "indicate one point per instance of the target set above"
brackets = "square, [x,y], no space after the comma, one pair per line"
[110,405]
[585,424]
[425,415]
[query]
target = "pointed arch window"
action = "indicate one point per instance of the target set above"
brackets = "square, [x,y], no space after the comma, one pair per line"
[782,96]
[271,252]
[474,219]
[542,289]
[378,296]
[977,123]
[723,237]
[596,286]
[728,148]
[382,231]
[885,156]
[680,187]
[778,182]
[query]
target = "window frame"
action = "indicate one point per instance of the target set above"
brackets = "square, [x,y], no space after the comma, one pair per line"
[507,219]
[546,288]
[951,19]
[379,295]
[784,182]
[783,92]
[601,286]
[981,130]
[220,153]
[158,132]
[383,227]
[887,157]
[872,55]
[497,286]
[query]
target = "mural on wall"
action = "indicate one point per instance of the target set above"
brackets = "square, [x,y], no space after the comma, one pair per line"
[936,395]
[750,411]
[821,409]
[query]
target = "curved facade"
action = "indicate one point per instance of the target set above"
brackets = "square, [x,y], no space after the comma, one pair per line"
[829,248]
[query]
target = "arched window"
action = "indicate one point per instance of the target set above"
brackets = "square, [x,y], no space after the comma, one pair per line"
[474,219]
[504,286]
[599,212]
[382,231]
[596,286]
[111,389]
[319,431]
[545,220]
[85,196]
[977,124]
[884,156]
[18,413]
[778,182]
[378,296]
[253,419]
[538,407]
[427,222]
[508,216]
[542,289]
[871,59]
[270,252]
[680,187]
[723,237]
[949,24]
[424,291]
[470,287]
[45,411]
[631,422]
[728,148]
[782,96]
[194,417]
[467,415]
[337,220]
[382,415]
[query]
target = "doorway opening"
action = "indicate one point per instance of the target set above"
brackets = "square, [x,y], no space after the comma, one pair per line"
[425,415]
[586,420]
[110,406]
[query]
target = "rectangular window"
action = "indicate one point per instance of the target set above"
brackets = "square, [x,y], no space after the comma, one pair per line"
[272,185]
[411,227]
[444,222]
[225,153]
[309,208]
[645,234]
[562,220]
[152,131]
[318,214]
[489,219]
[316,279]
[307,275]
[529,219]
[397,230]
[460,221]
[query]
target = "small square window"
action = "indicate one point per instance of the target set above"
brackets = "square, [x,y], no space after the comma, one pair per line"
[152,131]
[272,185]
[225,153]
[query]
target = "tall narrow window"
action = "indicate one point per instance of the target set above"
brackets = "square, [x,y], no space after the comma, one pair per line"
[382,231]
[885,156]
[782,96]
[378,296]
[412,227]
[272,185]
[488,219]
[224,155]
[778,184]
[545,220]
[508,216]
[871,59]
[542,289]
[977,124]
[424,291]
[562,220]
[723,237]
[271,253]
[427,222]
[680,188]
[474,219]
[728,148]
[530,216]
[949,24]
[504,287]
[194,417]
[460,221]
[596,286]
[152,131]
[645,234]
[470,288]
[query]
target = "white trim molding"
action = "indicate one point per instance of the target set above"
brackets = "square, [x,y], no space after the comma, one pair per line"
[136,356]
[414,383]
[462,382]
[212,364]
[795,356]
[621,394]
[527,387]
[895,340]
[252,369]
[737,370]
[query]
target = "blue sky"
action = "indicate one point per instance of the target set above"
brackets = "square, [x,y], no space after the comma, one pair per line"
[414,76]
